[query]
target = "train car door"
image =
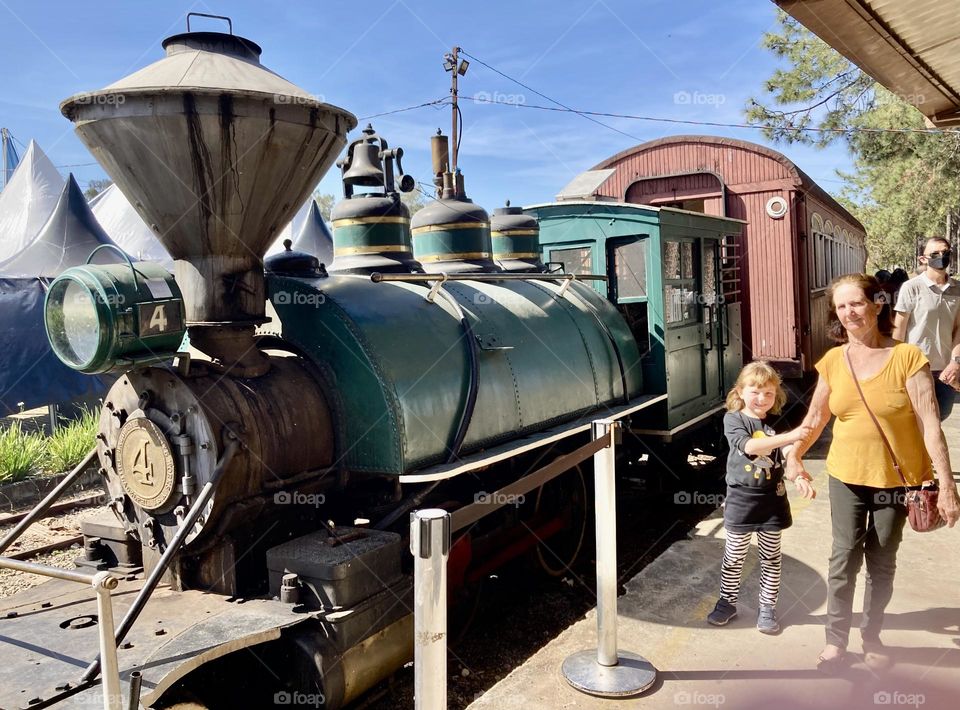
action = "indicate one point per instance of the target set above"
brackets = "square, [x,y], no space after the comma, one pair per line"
[627,259]
[693,335]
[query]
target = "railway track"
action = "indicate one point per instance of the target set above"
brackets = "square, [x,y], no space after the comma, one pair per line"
[53,539]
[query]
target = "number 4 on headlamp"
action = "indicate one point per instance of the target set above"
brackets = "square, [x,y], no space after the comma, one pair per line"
[103,317]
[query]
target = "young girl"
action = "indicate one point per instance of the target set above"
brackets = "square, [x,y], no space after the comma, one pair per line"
[756,500]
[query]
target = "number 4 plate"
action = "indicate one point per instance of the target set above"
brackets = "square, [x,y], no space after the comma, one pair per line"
[160,318]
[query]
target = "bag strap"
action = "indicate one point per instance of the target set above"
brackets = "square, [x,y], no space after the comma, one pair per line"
[896,466]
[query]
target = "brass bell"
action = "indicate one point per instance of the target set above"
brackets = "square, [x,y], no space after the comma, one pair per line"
[363,165]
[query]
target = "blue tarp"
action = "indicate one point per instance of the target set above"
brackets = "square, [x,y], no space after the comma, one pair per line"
[29,371]
[11,161]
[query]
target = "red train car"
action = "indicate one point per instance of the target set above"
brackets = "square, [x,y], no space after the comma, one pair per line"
[796,240]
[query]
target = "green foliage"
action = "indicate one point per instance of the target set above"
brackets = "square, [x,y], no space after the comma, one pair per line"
[414,201]
[21,453]
[95,187]
[904,184]
[71,442]
[325,202]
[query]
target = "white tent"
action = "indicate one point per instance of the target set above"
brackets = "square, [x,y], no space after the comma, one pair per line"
[27,201]
[293,228]
[127,228]
[315,237]
[66,239]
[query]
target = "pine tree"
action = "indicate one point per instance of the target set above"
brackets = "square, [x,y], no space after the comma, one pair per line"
[903,184]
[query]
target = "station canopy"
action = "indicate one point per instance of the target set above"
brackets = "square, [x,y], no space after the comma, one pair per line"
[66,239]
[27,201]
[912,47]
[126,227]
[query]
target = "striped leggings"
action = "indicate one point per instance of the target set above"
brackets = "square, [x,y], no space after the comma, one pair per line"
[771,561]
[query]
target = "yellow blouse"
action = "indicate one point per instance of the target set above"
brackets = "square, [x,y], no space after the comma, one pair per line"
[857,454]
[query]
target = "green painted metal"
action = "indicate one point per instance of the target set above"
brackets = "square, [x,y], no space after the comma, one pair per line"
[115,316]
[452,244]
[398,364]
[379,235]
[690,360]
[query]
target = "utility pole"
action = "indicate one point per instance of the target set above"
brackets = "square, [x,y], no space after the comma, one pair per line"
[457,67]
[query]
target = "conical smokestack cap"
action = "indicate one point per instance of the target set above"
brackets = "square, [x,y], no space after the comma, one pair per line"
[210,146]
[216,153]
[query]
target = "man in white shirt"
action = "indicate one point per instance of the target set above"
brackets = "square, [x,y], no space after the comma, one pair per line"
[928,316]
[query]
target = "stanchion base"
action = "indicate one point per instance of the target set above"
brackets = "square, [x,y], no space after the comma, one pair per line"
[631,676]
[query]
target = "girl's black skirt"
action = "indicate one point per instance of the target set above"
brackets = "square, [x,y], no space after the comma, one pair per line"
[748,509]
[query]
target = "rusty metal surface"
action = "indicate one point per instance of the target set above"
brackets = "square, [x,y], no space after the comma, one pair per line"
[200,408]
[176,633]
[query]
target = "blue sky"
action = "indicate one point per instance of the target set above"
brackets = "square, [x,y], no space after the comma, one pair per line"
[620,56]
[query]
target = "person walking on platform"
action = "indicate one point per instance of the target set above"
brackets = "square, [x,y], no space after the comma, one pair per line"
[928,316]
[866,493]
[756,500]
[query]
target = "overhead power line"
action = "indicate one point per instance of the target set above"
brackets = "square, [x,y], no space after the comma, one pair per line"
[590,115]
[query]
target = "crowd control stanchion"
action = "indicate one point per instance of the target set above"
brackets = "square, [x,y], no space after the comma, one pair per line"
[430,545]
[606,671]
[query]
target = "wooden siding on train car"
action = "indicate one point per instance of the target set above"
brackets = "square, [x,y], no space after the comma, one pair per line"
[818,212]
[780,311]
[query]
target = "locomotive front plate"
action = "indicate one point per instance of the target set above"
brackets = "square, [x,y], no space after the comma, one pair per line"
[145,463]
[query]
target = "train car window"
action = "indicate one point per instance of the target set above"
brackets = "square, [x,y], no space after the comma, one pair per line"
[575,261]
[709,273]
[671,260]
[686,260]
[680,299]
[630,269]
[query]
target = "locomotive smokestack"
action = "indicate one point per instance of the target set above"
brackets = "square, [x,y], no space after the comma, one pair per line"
[216,153]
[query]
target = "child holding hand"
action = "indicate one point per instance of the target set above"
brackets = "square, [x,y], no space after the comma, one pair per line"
[756,500]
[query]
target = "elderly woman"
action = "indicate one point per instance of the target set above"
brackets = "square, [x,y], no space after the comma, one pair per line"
[866,493]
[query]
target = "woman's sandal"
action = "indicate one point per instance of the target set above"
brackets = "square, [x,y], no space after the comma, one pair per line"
[834,665]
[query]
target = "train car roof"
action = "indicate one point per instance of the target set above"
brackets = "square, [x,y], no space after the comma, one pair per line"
[632,206]
[804,181]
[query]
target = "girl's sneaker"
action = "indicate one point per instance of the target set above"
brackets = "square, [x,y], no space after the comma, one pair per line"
[767,620]
[723,613]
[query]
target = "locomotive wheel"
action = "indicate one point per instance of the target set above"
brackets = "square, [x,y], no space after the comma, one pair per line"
[565,497]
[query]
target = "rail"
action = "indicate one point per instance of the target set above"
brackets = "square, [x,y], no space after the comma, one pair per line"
[102,583]
[378,277]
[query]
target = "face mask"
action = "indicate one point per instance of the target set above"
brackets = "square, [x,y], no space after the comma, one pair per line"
[940,262]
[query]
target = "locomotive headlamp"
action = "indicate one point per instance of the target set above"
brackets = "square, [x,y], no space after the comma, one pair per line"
[105,317]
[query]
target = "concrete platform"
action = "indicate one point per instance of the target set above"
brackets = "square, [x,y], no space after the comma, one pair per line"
[662,617]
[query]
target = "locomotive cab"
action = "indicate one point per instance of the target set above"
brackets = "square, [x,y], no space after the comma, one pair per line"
[672,275]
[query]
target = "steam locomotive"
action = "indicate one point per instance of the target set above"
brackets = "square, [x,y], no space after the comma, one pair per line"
[260,482]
